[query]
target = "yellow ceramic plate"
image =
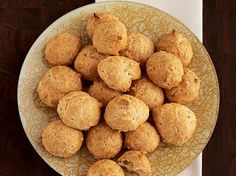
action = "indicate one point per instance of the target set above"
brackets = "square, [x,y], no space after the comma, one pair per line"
[166,160]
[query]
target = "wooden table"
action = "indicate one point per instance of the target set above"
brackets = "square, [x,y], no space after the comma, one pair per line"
[22,21]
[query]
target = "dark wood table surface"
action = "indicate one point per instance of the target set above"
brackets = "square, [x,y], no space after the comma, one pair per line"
[22,21]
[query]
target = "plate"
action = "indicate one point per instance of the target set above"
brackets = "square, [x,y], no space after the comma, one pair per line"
[166,160]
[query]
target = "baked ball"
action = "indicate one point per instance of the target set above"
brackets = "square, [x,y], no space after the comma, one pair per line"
[176,44]
[118,72]
[102,92]
[187,90]
[61,140]
[110,37]
[96,19]
[62,49]
[147,91]
[79,110]
[145,138]
[135,161]
[105,167]
[164,69]
[176,123]
[139,47]
[126,113]
[86,62]
[104,142]
[57,82]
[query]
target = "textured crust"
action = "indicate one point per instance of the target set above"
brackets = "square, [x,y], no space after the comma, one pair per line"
[164,69]
[57,82]
[86,62]
[110,37]
[61,140]
[145,138]
[135,161]
[176,44]
[79,110]
[62,49]
[126,113]
[118,72]
[104,142]
[176,123]
[188,89]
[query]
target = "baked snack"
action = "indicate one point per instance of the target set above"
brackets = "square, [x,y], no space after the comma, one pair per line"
[139,47]
[135,161]
[147,91]
[164,69]
[110,37]
[102,92]
[187,90]
[61,140]
[103,142]
[105,167]
[62,49]
[79,110]
[118,72]
[126,113]
[145,138]
[57,82]
[176,44]
[86,62]
[97,18]
[176,123]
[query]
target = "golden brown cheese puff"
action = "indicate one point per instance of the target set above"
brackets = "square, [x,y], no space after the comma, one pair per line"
[62,49]
[102,92]
[176,123]
[145,138]
[147,91]
[118,72]
[139,47]
[126,113]
[79,110]
[188,89]
[86,62]
[104,142]
[61,140]
[110,37]
[176,44]
[105,167]
[164,69]
[135,161]
[57,82]
[97,18]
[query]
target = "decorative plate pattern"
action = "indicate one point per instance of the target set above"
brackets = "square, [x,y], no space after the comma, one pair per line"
[166,160]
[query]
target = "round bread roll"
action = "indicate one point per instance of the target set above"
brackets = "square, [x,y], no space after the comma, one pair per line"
[102,92]
[61,140]
[57,82]
[62,49]
[145,138]
[176,44]
[110,37]
[118,72]
[105,167]
[79,110]
[164,69]
[135,161]
[104,142]
[147,91]
[126,113]
[139,47]
[86,62]
[96,19]
[176,123]
[188,89]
